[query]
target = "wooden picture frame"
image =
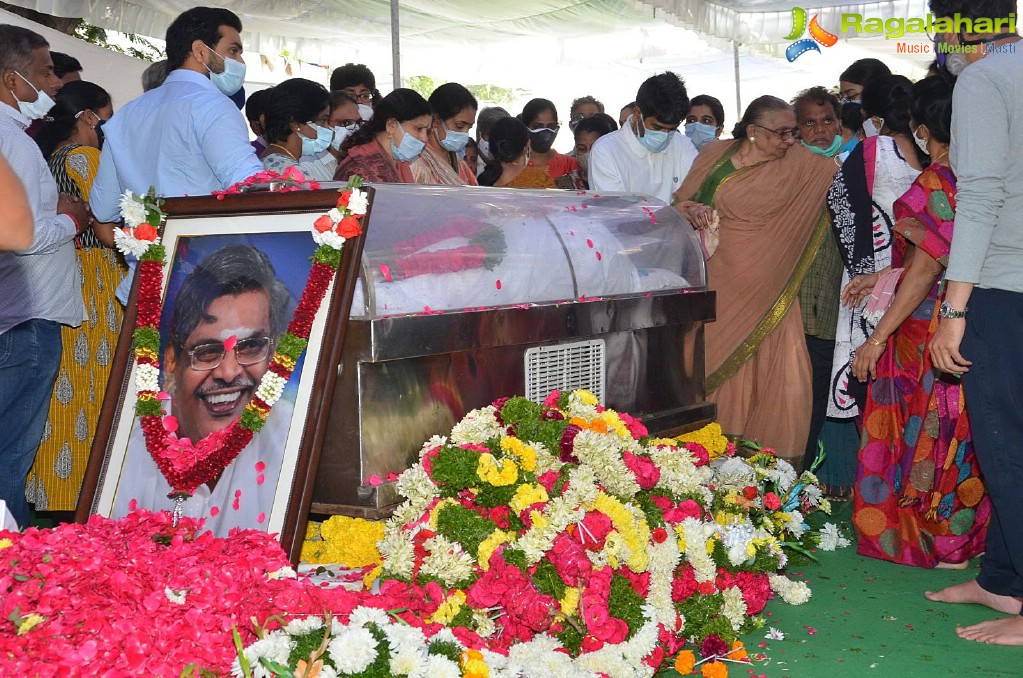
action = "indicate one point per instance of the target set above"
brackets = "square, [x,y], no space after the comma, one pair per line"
[278,225]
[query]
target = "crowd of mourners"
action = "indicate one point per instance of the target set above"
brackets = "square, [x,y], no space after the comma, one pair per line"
[864,240]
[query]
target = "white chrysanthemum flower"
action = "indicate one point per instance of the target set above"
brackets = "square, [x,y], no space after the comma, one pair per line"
[406,661]
[478,426]
[352,650]
[147,377]
[792,592]
[783,475]
[795,526]
[329,238]
[335,215]
[276,647]
[734,473]
[303,626]
[813,495]
[446,635]
[327,672]
[774,634]
[485,626]
[734,607]
[358,202]
[831,538]
[132,210]
[737,538]
[362,615]
[128,244]
[176,597]
[437,666]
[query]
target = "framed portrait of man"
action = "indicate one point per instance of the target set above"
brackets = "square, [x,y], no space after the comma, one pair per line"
[236,270]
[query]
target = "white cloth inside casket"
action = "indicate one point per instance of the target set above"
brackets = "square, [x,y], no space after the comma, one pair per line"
[533,270]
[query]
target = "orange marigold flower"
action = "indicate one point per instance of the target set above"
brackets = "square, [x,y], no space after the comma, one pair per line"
[738,652]
[684,662]
[714,670]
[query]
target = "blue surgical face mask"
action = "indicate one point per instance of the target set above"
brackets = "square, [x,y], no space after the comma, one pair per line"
[700,133]
[320,143]
[453,141]
[848,146]
[655,141]
[409,148]
[829,152]
[231,79]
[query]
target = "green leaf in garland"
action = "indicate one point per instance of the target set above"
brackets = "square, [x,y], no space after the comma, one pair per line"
[325,254]
[626,604]
[291,345]
[519,409]
[445,648]
[148,407]
[354,181]
[251,421]
[548,580]
[155,253]
[454,469]
[146,337]
[463,525]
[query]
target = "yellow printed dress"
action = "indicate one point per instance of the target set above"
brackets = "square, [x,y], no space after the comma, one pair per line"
[56,476]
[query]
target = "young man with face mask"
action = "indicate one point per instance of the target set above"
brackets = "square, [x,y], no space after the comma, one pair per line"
[185,137]
[981,332]
[40,288]
[648,154]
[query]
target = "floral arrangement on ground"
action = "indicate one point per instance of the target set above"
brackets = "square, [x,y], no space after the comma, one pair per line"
[552,539]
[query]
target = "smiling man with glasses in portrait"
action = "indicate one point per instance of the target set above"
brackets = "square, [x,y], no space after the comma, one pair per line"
[226,320]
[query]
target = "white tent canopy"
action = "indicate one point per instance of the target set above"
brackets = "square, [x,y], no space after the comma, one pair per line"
[557,49]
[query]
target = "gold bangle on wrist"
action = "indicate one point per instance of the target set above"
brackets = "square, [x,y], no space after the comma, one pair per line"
[875,342]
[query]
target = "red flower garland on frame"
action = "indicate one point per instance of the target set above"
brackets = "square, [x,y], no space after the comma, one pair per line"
[186,464]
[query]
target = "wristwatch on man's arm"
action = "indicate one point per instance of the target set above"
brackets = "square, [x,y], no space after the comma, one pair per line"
[947,311]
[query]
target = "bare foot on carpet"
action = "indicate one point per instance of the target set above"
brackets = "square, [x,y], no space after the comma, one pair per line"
[1006,631]
[971,592]
[953,566]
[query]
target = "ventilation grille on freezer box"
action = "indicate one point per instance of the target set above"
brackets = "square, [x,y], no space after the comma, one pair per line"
[565,367]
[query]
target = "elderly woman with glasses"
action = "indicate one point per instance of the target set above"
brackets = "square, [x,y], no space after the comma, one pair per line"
[760,196]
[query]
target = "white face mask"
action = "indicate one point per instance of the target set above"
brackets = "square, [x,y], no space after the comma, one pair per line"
[921,143]
[33,110]
[484,149]
[956,63]
[365,111]
[342,133]
[872,130]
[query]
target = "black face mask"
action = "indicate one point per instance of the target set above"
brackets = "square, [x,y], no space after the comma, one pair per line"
[541,140]
[99,133]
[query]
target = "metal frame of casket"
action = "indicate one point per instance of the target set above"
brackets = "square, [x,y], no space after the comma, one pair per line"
[603,292]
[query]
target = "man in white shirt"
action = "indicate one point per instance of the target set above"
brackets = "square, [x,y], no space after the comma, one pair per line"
[647,155]
[40,288]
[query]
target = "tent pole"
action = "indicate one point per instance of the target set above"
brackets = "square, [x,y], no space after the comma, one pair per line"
[738,95]
[395,47]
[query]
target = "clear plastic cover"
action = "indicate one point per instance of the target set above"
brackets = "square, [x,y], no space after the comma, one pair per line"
[441,249]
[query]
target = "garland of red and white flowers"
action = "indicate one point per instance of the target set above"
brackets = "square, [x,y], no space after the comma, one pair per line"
[186,464]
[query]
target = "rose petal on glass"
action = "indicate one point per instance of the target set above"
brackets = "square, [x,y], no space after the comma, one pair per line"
[170,423]
[261,517]
[260,479]
[215,511]
[260,466]
[589,243]
[498,284]
[598,256]
[386,270]
[374,480]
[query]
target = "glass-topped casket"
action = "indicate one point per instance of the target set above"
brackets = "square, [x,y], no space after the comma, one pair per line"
[470,294]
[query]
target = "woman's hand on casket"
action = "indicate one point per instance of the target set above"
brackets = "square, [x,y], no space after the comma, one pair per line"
[700,216]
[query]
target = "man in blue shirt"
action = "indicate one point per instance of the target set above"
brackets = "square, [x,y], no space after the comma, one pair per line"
[185,137]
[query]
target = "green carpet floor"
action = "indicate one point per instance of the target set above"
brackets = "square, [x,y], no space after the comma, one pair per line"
[869,618]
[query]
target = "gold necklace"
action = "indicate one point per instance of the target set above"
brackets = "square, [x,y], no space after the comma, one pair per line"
[286,151]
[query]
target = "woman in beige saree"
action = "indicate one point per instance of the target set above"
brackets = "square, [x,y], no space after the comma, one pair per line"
[763,196]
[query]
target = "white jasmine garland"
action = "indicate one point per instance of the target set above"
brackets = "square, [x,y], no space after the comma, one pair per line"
[664,559]
[792,592]
[398,553]
[447,561]
[734,607]
[696,533]
[478,426]
[737,538]
[271,386]
[352,650]
[485,626]
[602,452]
[415,485]
[678,472]
[147,377]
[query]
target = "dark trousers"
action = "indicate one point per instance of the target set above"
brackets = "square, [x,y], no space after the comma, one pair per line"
[994,395]
[822,353]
